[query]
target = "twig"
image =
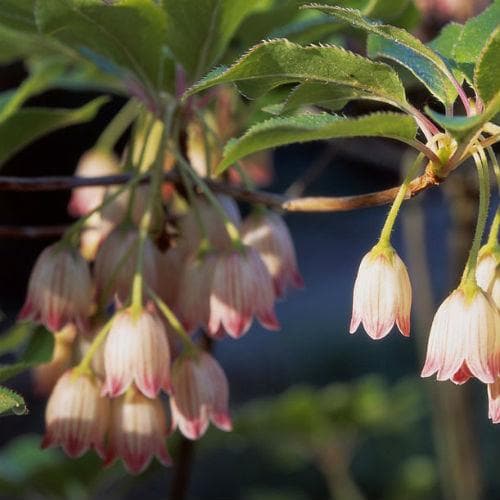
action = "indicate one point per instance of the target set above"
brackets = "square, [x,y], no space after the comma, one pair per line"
[346,203]
[27,232]
[272,200]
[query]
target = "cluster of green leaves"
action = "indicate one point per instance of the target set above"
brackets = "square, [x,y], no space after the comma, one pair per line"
[132,47]
[329,76]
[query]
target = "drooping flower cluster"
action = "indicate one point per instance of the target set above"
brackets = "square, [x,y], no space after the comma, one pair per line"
[464,340]
[134,354]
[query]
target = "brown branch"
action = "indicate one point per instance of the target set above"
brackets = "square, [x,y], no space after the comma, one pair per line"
[346,203]
[27,232]
[272,200]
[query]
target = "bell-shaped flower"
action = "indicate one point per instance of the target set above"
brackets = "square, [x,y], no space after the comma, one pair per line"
[138,431]
[116,262]
[382,294]
[269,235]
[193,302]
[494,401]
[464,338]
[136,350]
[170,269]
[59,289]
[200,394]
[76,416]
[241,288]
[93,163]
[191,235]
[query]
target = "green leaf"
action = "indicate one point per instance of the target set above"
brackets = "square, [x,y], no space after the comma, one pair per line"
[319,94]
[465,128]
[17,335]
[38,351]
[398,45]
[29,124]
[198,31]
[19,36]
[39,81]
[444,45]
[18,15]
[125,39]
[487,72]
[278,62]
[11,402]
[445,42]
[475,33]
[302,128]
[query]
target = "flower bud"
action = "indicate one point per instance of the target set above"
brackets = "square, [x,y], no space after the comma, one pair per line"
[241,288]
[191,235]
[138,431]
[136,350]
[59,289]
[76,416]
[198,151]
[199,393]
[93,163]
[193,304]
[170,269]
[464,339]
[382,294]
[116,263]
[269,235]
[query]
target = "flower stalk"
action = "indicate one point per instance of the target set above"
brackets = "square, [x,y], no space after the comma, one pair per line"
[468,280]
[385,235]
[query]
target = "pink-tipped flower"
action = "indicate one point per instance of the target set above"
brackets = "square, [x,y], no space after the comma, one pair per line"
[170,269]
[488,275]
[191,235]
[116,262]
[382,294]
[138,431]
[464,338]
[241,288]
[59,289]
[269,235]
[136,350]
[494,401]
[200,394]
[193,302]
[76,416]
[93,163]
